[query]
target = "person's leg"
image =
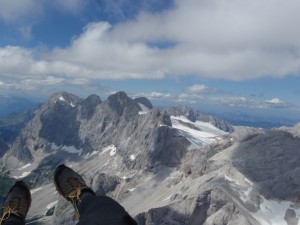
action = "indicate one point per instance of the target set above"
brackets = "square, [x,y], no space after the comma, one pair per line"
[90,209]
[102,210]
[16,205]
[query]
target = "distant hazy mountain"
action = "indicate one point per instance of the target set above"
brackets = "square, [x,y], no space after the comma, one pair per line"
[15,104]
[169,166]
[244,119]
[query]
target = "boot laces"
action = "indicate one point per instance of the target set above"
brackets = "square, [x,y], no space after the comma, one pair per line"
[74,193]
[13,207]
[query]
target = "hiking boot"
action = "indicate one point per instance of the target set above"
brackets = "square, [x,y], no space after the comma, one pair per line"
[17,202]
[70,185]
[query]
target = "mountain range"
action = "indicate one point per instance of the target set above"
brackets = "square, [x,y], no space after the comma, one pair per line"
[15,104]
[165,166]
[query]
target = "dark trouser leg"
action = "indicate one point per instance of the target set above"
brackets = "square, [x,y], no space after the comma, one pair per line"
[102,210]
[13,220]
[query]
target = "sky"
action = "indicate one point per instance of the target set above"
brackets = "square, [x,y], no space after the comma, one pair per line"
[222,55]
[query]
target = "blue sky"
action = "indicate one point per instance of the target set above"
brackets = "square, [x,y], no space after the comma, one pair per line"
[223,55]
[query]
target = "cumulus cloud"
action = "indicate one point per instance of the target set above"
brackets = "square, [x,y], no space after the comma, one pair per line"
[199,89]
[214,39]
[33,84]
[24,14]
[277,103]
[224,39]
[195,95]
[156,96]
[73,6]
[16,11]
[26,11]
[252,103]
[92,55]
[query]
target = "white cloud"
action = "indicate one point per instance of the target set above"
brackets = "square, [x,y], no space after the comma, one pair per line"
[274,101]
[156,95]
[251,103]
[24,14]
[277,103]
[15,61]
[199,89]
[16,10]
[73,6]
[232,101]
[27,11]
[34,84]
[224,39]
[95,55]
[216,39]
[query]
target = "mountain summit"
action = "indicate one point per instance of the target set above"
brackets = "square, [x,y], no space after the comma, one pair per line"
[169,166]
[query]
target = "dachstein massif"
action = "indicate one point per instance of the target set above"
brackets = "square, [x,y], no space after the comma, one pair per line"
[172,166]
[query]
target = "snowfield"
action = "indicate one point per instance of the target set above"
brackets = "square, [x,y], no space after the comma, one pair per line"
[198,133]
[144,108]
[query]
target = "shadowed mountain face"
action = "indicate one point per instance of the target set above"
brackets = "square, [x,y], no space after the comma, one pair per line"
[273,162]
[171,166]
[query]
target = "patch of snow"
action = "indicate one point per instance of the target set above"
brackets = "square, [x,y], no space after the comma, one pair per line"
[162,125]
[272,212]
[70,149]
[231,180]
[148,179]
[89,155]
[244,187]
[131,189]
[113,150]
[132,157]
[144,109]
[169,197]
[24,174]
[249,188]
[24,167]
[198,133]
[127,177]
[35,190]
[62,99]
[51,204]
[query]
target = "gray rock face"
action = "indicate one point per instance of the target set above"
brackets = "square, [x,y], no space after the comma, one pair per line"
[59,125]
[3,147]
[163,215]
[66,120]
[105,184]
[144,101]
[273,161]
[88,106]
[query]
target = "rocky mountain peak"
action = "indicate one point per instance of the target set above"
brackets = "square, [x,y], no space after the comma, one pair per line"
[144,101]
[88,106]
[120,103]
[65,98]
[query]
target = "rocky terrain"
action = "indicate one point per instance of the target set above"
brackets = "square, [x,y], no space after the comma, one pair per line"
[171,166]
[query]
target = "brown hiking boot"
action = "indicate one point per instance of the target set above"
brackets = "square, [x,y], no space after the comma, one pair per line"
[70,185]
[17,202]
